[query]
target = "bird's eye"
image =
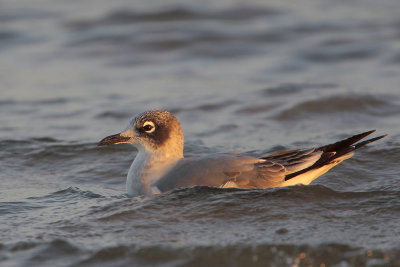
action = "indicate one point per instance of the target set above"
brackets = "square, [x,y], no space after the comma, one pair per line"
[148,127]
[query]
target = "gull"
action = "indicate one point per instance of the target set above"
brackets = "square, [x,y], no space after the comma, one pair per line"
[160,165]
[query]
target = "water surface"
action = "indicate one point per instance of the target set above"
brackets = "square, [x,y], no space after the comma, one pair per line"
[251,77]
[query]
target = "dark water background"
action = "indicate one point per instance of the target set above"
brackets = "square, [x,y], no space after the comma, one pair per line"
[247,76]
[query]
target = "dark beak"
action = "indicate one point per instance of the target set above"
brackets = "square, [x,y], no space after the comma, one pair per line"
[114,139]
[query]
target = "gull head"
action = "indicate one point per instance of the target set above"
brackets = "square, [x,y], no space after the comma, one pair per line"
[151,131]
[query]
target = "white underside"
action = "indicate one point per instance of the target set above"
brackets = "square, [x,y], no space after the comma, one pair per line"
[145,170]
[307,177]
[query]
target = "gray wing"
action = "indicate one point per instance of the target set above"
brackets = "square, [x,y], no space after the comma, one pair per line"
[237,170]
[270,171]
[278,166]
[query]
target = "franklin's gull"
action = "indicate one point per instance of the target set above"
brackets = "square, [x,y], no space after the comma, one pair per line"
[160,166]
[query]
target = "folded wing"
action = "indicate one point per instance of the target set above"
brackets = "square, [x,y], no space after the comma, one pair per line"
[280,169]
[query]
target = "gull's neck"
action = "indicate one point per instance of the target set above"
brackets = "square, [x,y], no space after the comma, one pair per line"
[147,168]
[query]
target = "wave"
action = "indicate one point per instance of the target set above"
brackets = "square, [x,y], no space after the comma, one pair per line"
[242,255]
[208,225]
[259,254]
[71,192]
[46,147]
[126,16]
[113,115]
[45,101]
[93,37]
[9,208]
[211,203]
[373,105]
[306,193]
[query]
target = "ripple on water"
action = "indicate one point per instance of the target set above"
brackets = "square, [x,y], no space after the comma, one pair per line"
[63,202]
[328,254]
[127,16]
[372,105]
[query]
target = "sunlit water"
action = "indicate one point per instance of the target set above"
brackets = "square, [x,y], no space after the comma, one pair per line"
[244,76]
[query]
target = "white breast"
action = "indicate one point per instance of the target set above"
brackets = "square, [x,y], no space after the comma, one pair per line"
[146,169]
[134,183]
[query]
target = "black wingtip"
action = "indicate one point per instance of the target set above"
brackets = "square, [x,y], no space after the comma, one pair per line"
[338,149]
[362,135]
[366,142]
[345,143]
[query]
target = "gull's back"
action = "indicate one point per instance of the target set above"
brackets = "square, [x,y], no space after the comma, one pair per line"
[225,170]
[281,169]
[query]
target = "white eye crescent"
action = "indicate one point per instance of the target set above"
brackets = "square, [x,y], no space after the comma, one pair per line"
[149,127]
